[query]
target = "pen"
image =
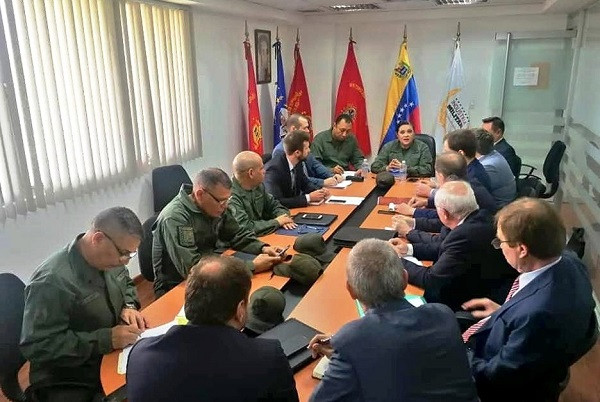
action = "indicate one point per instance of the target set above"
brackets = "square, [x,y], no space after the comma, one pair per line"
[324,340]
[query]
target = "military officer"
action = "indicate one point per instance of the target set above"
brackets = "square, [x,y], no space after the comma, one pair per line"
[337,148]
[190,226]
[251,205]
[80,305]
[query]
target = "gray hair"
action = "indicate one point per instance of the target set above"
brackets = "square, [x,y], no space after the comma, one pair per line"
[375,272]
[119,220]
[209,178]
[456,197]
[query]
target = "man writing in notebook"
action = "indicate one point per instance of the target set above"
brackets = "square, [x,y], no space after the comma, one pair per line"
[369,356]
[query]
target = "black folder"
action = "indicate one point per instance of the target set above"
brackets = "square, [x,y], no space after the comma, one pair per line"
[294,337]
[349,236]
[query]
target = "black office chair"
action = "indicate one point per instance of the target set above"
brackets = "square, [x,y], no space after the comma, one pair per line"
[430,142]
[145,250]
[11,319]
[515,166]
[266,157]
[166,182]
[551,172]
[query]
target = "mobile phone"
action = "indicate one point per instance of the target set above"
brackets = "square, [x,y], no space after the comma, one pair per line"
[337,201]
[312,217]
[282,252]
[386,212]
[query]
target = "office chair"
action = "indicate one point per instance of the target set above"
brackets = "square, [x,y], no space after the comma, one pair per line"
[551,173]
[11,319]
[266,157]
[166,182]
[145,250]
[430,142]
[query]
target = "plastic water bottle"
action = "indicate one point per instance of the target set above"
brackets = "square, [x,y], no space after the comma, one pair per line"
[365,167]
[402,171]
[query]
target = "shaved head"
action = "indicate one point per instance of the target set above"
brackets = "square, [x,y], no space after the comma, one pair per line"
[246,160]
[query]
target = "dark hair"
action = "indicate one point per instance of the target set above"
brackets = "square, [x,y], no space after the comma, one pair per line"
[294,120]
[451,164]
[534,223]
[212,296]
[485,141]
[404,123]
[462,140]
[344,116]
[497,123]
[294,141]
[209,178]
[118,220]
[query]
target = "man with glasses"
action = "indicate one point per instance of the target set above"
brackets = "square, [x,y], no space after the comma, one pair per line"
[80,305]
[522,349]
[194,224]
[467,265]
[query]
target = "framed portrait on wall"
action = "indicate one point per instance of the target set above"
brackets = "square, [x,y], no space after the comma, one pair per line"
[262,50]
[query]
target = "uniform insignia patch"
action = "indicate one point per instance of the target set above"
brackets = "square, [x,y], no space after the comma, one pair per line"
[186,236]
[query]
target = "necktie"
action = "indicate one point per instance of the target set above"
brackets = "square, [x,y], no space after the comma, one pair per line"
[475,327]
[293,181]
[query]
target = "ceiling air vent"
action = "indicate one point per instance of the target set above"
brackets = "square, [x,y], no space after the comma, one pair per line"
[458,2]
[311,10]
[354,7]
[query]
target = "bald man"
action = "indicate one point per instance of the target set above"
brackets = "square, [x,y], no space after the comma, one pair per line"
[251,205]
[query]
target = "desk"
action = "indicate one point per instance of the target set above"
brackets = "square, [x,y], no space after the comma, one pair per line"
[376,220]
[326,307]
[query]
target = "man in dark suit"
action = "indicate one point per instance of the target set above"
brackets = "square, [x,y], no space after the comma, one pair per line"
[210,359]
[495,126]
[522,350]
[418,226]
[285,178]
[383,356]
[467,265]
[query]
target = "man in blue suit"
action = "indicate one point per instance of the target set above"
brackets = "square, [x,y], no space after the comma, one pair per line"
[522,350]
[210,359]
[495,126]
[396,352]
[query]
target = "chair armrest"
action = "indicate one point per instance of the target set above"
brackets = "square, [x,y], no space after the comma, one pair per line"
[531,169]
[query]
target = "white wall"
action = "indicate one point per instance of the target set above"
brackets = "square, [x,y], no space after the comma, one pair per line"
[430,48]
[222,77]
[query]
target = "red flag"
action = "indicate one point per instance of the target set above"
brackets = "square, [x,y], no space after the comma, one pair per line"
[255,138]
[298,100]
[351,100]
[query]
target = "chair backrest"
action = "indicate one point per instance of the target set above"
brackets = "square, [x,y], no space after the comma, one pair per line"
[166,182]
[145,250]
[552,162]
[430,142]
[515,166]
[11,320]
[266,157]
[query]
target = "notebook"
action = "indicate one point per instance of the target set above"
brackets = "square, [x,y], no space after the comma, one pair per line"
[324,220]
[349,236]
[294,337]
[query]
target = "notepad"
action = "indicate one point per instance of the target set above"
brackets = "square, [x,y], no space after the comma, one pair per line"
[156,331]
[321,368]
[345,200]
[413,260]
[342,184]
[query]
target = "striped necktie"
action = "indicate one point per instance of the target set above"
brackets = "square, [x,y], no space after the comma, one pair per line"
[475,327]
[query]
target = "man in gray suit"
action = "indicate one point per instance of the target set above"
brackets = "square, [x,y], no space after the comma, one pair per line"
[396,352]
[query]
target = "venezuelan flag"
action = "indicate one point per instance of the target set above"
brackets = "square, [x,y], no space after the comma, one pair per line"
[402,100]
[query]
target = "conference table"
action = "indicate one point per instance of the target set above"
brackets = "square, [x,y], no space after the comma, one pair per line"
[326,306]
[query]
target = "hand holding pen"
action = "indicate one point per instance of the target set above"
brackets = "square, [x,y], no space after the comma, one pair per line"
[320,345]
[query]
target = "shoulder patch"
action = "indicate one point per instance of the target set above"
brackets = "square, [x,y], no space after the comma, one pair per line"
[186,236]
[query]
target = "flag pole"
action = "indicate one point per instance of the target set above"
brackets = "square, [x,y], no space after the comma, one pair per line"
[457,41]
[297,36]
[277,34]
[405,33]
[350,37]
[246,30]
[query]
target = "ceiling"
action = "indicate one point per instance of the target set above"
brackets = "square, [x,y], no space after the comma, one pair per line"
[321,7]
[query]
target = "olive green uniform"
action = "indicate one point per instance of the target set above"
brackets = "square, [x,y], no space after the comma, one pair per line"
[183,234]
[255,209]
[417,157]
[332,152]
[70,308]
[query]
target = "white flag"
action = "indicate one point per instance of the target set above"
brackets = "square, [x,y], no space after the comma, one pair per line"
[452,113]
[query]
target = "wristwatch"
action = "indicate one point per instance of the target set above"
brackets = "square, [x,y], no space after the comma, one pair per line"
[130,305]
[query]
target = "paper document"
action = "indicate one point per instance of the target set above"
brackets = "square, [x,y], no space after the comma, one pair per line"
[315,202]
[342,184]
[413,260]
[344,200]
[320,368]
[415,300]
[348,173]
[156,331]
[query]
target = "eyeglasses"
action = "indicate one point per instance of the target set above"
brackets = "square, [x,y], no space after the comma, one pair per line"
[122,253]
[218,201]
[496,242]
